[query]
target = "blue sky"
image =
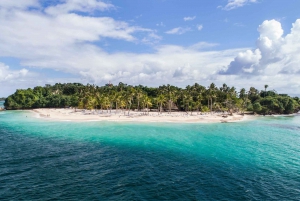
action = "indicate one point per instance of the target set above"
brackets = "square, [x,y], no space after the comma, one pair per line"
[239,42]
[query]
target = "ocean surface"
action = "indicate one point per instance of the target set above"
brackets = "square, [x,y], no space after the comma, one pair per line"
[51,160]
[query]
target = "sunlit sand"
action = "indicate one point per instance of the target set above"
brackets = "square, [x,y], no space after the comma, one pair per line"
[118,115]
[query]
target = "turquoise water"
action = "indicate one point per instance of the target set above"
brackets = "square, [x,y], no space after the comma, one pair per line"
[45,160]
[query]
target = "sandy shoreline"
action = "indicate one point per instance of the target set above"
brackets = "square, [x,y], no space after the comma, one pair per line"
[180,117]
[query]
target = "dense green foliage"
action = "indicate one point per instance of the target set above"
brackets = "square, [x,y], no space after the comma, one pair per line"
[163,98]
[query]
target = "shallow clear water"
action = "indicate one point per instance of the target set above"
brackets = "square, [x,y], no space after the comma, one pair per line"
[45,160]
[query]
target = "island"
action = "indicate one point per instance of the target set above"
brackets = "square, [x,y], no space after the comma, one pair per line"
[122,102]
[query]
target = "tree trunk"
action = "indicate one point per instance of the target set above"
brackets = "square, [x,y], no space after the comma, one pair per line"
[160,108]
[129,109]
[208,103]
[187,109]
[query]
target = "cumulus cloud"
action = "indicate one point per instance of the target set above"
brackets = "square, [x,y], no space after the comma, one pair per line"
[69,42]
[189,18]
[159,67]
[275,54]
[233,4]
[65,42]
[178,30]
[10,75]
[245,62]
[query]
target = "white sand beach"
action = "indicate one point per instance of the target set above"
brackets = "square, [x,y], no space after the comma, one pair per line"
[134,116]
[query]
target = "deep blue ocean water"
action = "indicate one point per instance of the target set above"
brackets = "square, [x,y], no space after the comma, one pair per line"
[51,160]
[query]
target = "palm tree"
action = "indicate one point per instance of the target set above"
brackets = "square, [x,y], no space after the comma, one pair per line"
[86,101]
[117,98]
[97,98]
[146,101]
[111,96]
[198,102]
[139,95]
[171,96]
[100,100]
[161,99]
[129,97]
[122,104]
[244,97]
[231,97]
[91,103]
[211,94]
[187,100]
[266,86]
[106,103]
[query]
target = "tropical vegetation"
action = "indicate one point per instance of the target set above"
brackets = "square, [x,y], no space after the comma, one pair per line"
[168,98]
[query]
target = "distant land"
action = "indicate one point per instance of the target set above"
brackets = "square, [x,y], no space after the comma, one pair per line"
[165,98]
[2,99]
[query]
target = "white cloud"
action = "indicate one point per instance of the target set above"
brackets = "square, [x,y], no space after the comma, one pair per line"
[65,42]
[158,67]
[78,5]
[189,18]
[7,75]
[40,32]
[233,4]
[200,27]
[203,45]
[275,61]
[178,30]
[151,38]
[275,54]
[20,4]
[245,62]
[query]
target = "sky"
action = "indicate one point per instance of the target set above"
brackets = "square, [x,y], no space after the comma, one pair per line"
[243,43]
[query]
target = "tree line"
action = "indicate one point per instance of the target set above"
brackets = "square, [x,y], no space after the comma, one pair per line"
[192,98]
